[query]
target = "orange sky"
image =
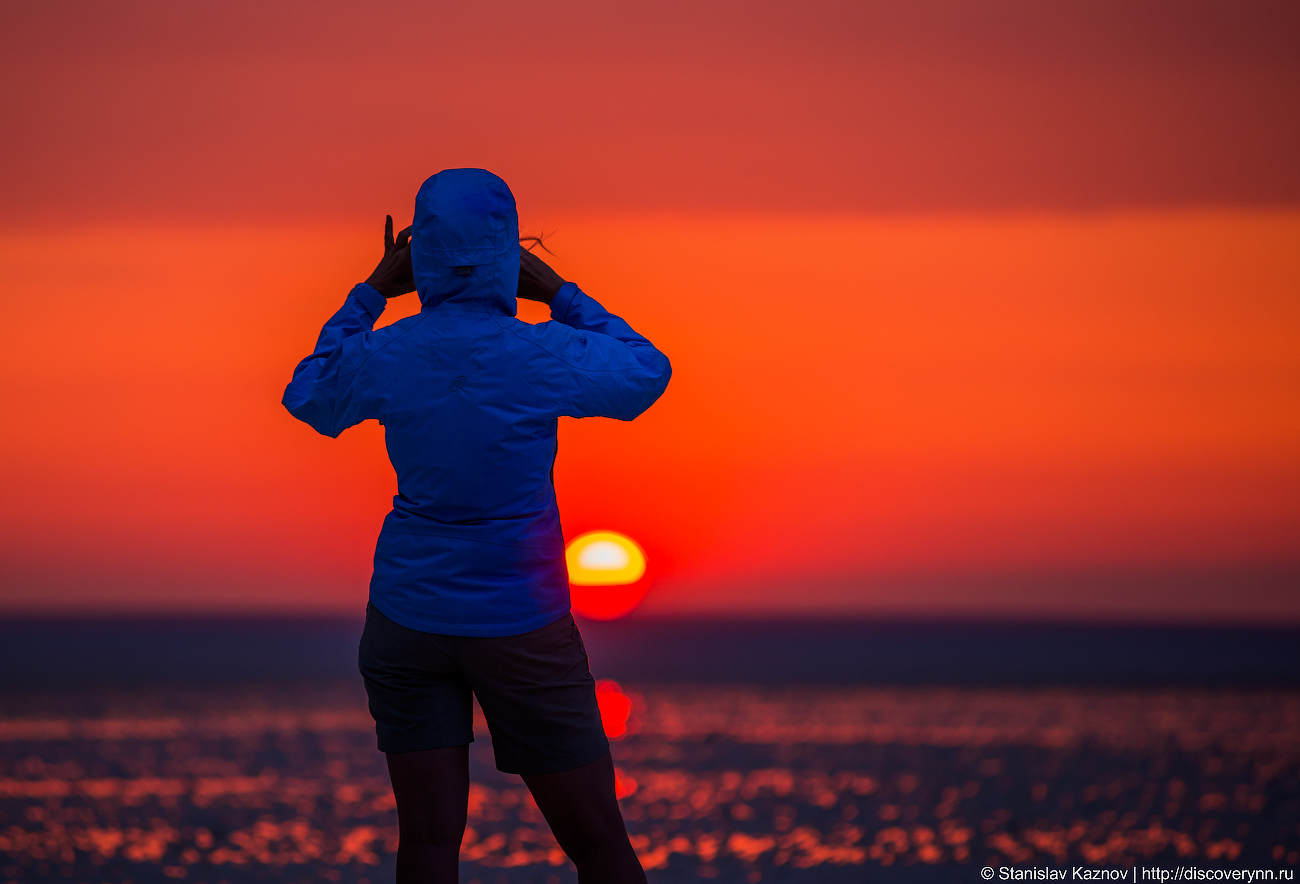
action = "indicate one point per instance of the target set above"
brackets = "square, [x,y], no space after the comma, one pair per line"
[855,400]
[981,313]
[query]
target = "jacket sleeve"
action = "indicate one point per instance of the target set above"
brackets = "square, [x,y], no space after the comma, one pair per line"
[606,369]
[322,393]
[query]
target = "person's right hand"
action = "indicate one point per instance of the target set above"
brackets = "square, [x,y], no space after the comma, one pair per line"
[537,281]
[393,276]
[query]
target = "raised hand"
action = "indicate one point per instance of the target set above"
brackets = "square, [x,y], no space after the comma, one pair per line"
[537,281]
[393,275]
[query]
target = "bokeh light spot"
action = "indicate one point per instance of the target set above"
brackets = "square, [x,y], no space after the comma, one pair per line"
[615,708]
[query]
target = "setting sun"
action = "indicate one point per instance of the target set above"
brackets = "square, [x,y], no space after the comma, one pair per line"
[604,558]
[606,574]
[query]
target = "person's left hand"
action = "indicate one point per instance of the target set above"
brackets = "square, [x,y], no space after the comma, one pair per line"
[393,275]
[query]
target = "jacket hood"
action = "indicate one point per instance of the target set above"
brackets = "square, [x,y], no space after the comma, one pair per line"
[466,218]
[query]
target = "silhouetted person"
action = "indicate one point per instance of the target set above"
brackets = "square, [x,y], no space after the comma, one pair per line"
[470,592]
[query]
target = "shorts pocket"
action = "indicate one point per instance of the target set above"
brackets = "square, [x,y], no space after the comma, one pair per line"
[547,656]
[577,640]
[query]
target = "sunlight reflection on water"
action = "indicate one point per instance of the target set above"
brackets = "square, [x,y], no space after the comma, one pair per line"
[737,783]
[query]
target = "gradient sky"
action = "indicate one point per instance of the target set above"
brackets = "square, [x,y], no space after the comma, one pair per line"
[974,309]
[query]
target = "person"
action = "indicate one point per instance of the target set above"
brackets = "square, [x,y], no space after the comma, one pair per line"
[469,593]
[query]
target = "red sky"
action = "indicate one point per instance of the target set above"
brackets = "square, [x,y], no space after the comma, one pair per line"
[974,310]
[308,111]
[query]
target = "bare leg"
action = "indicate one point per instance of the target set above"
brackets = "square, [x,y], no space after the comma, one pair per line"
[583,813]
[432,792]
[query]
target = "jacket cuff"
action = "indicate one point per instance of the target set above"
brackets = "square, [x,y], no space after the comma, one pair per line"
[563,300]
[369,299]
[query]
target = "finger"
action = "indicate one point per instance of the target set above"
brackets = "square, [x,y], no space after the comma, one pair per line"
[388,233]
[404,237]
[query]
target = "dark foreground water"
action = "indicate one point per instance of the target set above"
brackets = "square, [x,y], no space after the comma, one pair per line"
[232,752]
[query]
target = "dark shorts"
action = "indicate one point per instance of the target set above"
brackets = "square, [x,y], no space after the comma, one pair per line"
[535,689]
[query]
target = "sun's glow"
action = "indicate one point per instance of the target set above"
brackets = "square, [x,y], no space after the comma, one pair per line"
[604,558]
[604,555]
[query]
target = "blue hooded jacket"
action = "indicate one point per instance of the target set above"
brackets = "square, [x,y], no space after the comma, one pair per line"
[469,397]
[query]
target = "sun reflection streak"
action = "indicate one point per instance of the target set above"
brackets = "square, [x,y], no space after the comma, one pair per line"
[736,781]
